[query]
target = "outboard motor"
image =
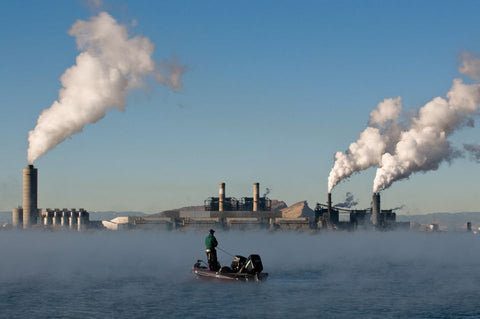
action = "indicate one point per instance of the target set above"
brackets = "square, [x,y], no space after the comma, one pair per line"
[254,265]
[238,262]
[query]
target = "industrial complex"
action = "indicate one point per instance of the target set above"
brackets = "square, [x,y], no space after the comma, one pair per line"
[222,212]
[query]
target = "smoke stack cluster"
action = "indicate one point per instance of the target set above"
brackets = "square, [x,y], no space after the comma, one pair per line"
[30,188]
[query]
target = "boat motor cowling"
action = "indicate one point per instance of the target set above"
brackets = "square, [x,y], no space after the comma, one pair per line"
[254,264]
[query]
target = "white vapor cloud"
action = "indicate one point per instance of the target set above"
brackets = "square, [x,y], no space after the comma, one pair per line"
[425,145]
[382,132]
[110,64]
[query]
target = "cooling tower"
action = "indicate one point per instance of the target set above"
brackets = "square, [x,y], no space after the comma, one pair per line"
[375,209]
[256,196]
[30,184]
[221,196]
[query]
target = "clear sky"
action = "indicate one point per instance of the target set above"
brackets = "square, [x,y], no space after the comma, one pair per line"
[273,90]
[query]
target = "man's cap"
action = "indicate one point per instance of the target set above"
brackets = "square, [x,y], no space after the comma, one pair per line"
[211,231]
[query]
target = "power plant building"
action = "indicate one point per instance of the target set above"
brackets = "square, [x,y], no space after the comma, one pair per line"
[327,217]
[30,215]
[217,212]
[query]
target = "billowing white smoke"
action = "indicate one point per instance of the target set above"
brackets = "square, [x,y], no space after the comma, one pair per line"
[425,145]
[381,134]
[109,65]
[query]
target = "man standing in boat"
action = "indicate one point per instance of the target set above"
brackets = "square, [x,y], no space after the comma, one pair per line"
[210,244]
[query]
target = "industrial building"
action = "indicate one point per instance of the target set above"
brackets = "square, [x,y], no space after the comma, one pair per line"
[374,218]
[225,212]
[30,216]
[222,203]
[222,212]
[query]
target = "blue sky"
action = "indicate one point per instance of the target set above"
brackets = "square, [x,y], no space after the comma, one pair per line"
[273,90]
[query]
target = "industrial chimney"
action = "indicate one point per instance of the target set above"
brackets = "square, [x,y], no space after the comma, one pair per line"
[329,206]
[221,196]
[376,209]
[256,196]
[30,185]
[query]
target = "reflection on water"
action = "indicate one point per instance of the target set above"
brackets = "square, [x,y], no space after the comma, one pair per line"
[139,275]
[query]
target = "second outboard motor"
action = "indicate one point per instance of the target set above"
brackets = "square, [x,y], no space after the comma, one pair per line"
[254,264]
[237,263]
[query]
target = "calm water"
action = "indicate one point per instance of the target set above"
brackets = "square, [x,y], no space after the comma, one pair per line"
[147,275]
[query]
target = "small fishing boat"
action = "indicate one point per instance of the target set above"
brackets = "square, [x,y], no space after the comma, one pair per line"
[241,269]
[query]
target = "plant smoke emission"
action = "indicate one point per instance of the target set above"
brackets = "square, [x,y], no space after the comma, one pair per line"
[267,191]
[382,132]
[110,64]
[425,145]
[349,201]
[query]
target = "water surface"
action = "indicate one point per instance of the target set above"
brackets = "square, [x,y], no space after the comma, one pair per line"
[148,275]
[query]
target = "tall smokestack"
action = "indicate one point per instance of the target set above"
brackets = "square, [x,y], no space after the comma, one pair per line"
[30,185]
[375,209]
[329,205]
[256,196]
[221,196]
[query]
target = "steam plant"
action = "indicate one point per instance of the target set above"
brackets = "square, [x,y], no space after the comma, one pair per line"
[217,212]
[222,212]
[374,218]
[30,215]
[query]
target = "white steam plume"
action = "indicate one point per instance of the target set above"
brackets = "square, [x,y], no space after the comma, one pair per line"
[382,132]
[425,145]
[110,64]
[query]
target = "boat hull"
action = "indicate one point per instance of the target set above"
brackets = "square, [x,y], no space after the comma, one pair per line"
[205,273]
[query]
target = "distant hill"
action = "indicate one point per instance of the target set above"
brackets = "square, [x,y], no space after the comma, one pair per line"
[451,220]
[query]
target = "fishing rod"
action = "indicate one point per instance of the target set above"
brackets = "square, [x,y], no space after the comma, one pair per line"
[226,252]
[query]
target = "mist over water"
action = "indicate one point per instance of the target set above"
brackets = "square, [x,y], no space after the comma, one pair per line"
[148,274]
